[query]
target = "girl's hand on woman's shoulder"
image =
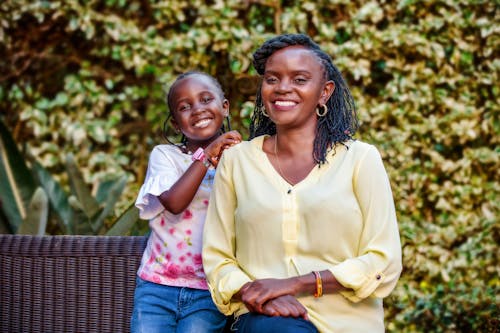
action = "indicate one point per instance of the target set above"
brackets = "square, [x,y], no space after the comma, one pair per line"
[215,149]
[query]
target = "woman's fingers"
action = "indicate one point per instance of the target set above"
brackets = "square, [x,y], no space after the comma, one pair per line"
[285,306]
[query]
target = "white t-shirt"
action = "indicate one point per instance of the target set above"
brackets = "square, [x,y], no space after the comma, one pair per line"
[173,252]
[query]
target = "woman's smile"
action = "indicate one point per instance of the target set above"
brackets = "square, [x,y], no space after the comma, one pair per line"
[293,84]
[284,105]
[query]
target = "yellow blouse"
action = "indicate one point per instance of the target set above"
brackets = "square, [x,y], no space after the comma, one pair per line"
[341,217]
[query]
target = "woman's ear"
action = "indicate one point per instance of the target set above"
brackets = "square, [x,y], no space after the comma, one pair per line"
[328,89]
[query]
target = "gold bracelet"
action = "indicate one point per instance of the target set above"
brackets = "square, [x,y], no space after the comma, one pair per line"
[319,284]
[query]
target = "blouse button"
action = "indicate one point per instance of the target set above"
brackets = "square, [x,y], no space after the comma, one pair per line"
[378,276]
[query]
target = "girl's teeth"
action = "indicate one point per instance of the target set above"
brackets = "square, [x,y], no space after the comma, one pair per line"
[202,123]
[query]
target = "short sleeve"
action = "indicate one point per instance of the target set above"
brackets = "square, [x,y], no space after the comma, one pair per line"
[162,173]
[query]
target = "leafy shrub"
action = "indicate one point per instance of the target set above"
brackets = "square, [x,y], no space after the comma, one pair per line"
[88,77]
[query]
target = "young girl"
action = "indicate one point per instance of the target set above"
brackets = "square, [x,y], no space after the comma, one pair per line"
[171,291]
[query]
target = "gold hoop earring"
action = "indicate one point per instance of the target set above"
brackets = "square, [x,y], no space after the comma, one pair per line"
[325,110]
[262,109]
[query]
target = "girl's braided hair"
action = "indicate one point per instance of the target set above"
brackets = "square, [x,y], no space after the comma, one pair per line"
[169,101]
[337,126]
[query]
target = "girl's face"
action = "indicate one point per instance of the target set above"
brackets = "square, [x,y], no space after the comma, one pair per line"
[293,86]
[198,109]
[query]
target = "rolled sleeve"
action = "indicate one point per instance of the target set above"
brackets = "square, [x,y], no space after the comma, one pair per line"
[375,272]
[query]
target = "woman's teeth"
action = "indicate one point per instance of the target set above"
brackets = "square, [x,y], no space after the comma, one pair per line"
[284,103]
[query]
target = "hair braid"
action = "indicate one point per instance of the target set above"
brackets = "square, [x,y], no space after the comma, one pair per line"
[338,125]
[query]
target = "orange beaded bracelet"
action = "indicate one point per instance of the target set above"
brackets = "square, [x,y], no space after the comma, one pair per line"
[319,284]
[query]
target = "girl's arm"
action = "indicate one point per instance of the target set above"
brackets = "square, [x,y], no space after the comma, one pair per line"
[179,196]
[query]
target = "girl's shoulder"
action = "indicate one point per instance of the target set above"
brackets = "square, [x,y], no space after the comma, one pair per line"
[169,151]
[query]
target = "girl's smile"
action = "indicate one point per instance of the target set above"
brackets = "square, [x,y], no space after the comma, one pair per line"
[202,123]
[198,109]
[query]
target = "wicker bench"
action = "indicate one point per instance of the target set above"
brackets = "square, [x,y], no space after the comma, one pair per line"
[54,284]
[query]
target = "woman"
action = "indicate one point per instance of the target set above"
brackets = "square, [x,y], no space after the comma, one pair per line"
[301,232]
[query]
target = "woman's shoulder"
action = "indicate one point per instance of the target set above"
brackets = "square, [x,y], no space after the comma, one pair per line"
[253,146]
[357,149]
[361,150]
[359,146]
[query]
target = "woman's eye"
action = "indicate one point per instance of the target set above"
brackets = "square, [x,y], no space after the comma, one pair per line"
[300,80]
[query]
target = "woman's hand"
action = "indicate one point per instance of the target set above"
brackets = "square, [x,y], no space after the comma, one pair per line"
[214,150]
[285,306]
[255,294]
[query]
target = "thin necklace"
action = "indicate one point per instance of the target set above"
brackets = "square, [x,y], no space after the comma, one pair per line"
[282,174]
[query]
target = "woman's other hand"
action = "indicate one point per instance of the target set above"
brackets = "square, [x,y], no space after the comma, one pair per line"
[285,306]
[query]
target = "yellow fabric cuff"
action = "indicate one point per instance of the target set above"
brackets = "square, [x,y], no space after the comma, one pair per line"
[228,286]
[362,285]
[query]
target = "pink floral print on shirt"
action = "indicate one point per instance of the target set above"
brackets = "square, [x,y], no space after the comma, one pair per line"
[181,245]
[197,260]
[172,270]
[187,215]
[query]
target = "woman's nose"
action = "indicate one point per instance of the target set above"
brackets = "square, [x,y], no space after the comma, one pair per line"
[283,86]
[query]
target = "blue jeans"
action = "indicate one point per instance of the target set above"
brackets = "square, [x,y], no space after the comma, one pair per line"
[259,323]
[166,309]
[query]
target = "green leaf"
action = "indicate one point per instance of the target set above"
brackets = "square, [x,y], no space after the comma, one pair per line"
[104,187]
[57,197]
[17,182]
[38,212]
[81,221]
[80,189]
[113,195]
[125,222]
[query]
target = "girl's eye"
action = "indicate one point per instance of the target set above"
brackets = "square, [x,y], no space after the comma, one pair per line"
[184,107]
[271,80]
[206,100]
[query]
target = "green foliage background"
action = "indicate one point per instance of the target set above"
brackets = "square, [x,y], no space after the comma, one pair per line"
[89,77]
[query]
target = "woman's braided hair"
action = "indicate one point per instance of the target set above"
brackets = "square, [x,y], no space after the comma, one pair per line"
[169,101]
[337,126]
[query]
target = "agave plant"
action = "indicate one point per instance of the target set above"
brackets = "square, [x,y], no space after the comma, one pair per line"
[30,196]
